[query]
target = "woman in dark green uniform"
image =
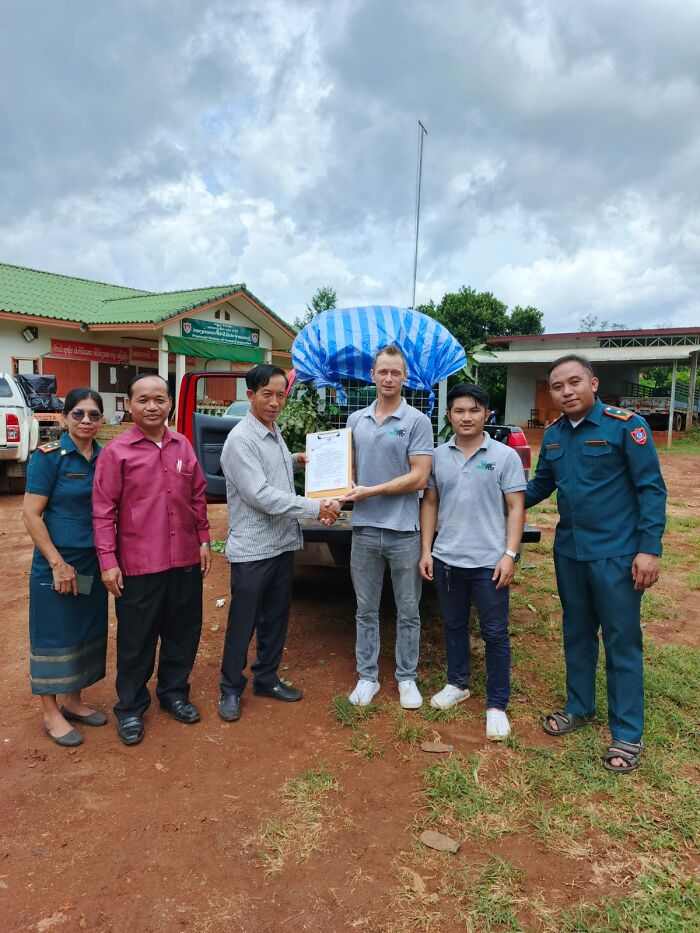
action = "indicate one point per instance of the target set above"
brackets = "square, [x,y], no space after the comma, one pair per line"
[67,600]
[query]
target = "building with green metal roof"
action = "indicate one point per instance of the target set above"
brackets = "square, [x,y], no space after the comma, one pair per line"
[94,333]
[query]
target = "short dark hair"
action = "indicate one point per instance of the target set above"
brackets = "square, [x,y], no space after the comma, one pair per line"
[391,350]
[139,376]
[468,390]
[259,376]
[80,394]
[571,358]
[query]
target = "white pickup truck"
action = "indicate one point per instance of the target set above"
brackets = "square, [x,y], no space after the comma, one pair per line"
[19,434]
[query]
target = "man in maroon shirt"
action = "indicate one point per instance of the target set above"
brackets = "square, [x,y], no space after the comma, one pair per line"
[152,541]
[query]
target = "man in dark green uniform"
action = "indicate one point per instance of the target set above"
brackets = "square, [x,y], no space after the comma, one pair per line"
[612,512]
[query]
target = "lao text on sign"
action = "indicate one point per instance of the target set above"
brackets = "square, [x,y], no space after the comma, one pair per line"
[220,332]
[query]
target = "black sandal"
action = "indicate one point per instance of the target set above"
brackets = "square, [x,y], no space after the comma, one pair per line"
[566,722]
[630,752]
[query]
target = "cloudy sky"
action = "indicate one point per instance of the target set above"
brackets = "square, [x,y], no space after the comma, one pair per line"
[171,144]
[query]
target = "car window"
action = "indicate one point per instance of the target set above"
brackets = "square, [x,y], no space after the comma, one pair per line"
[237,409]
[5,388]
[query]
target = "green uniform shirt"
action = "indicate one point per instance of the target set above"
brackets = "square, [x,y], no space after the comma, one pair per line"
[610,491]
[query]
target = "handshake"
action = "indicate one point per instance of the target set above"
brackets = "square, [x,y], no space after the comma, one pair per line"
[329,512]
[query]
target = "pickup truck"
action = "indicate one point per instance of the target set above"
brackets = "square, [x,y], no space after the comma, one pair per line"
[19,433]
[323,546]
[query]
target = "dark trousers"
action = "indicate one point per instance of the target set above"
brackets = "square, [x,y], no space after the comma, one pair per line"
[455,587]
[261,594]
[166,605]
[600,594]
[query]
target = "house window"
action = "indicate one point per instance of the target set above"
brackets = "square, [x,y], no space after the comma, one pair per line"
[25,366]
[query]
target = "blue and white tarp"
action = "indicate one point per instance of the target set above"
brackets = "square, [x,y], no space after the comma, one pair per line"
[341,344]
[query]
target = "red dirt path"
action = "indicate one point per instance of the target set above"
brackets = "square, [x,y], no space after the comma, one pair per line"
[161,837]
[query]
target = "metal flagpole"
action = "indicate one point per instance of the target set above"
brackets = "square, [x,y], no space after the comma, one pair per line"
[421,133]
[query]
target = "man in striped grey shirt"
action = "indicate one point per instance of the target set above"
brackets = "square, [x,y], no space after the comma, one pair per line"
[264,532]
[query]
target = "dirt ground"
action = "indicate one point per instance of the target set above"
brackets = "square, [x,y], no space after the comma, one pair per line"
[166,836]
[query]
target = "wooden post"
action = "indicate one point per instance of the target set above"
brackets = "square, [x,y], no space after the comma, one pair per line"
[691,391]
[672,403]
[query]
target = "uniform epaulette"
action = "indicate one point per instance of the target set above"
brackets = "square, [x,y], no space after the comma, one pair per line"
[553,422]
[620,413]
[47,448]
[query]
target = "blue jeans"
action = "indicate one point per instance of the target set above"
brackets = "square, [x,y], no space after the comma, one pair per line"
[372,550]
[455,588]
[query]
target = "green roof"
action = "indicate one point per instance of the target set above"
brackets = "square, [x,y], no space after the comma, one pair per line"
[62,297]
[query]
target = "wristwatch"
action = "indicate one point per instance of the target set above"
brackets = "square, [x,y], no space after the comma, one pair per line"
[515,555]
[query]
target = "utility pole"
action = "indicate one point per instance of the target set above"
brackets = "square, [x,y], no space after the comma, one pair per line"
[422,132]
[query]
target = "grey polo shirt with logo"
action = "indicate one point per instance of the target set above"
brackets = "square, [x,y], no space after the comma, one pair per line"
[381,453]
[471,514]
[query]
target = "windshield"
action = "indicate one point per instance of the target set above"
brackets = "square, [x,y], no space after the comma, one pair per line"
[237,410]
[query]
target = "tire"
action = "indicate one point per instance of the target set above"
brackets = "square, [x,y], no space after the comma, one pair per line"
[16,484]
[678,422]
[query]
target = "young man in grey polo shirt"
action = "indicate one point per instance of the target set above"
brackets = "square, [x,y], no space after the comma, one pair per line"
[476,548]
[264,533]
[392,446]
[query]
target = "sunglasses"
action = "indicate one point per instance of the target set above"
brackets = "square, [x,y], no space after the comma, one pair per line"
[78,415]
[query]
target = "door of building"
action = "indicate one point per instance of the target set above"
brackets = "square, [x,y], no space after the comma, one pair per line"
[69,373]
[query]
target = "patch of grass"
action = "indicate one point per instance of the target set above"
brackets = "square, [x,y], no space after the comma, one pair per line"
[665,901]
[407,731]
[693,579]
[349,715]
[301,829]
[489,897]
[657,607]
[682,523]
[365,745]
[688,444]
[433,714]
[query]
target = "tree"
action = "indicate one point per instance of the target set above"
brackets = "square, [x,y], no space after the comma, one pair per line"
[525,321]
[593,322]
[324,299]
[472,317]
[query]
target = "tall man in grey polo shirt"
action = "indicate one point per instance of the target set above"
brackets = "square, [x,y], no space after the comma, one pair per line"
[476,548]
[392,445]
[264,532]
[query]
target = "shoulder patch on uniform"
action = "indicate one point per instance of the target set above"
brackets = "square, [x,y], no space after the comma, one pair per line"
[47,448]
[620,413]
[639,435]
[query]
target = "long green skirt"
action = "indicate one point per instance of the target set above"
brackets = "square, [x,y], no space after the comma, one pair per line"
[67,634]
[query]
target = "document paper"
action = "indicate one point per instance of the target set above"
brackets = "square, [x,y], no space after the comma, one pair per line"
[329,470]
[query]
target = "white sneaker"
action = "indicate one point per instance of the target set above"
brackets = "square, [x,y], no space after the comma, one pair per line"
[364,692]
[448,696]
[497,725]
[409,695]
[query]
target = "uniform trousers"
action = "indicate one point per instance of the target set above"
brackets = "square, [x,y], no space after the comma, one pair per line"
[600,594]
[165,606]
[261,596]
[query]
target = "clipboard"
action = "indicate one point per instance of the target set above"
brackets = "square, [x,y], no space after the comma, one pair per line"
[340,436]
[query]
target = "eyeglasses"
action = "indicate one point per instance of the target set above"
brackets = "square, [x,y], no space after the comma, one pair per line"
[78,415]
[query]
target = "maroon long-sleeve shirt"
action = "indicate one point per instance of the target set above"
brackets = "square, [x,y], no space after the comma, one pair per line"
[148,504]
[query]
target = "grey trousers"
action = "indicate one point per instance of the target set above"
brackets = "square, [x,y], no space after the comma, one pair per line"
[372,550]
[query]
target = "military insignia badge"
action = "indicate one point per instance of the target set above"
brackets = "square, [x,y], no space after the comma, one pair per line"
[639,435]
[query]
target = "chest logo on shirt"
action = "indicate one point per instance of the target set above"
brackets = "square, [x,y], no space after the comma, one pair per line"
[485,465]
[639,435]
[397,432]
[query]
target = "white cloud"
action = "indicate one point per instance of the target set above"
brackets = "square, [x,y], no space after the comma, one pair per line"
[274,143]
